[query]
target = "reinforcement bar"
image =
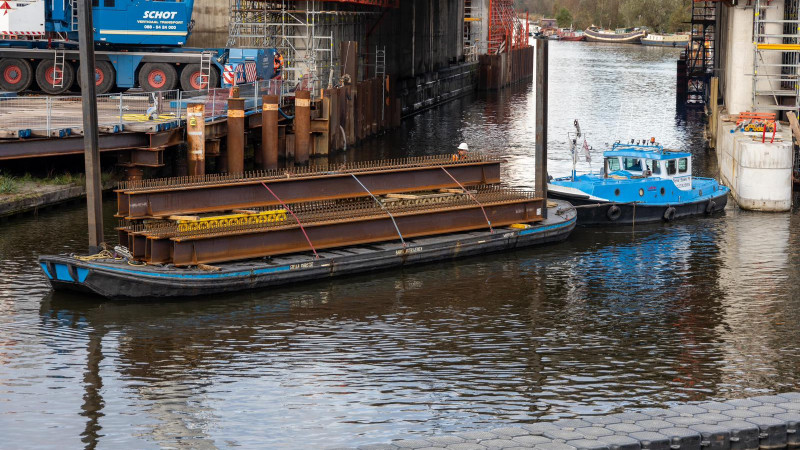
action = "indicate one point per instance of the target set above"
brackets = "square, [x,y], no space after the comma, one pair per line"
[334,228]
[161,198]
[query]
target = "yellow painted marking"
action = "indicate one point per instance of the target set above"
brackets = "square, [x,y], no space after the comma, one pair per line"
[205,223]
[795,47]
[235,113]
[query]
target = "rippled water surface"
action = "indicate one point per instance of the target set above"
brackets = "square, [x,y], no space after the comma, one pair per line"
[611,319]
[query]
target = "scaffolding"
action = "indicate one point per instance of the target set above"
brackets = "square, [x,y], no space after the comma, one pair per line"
[473,45]
[505,28]
[776,55]
[303,31]
[701,51]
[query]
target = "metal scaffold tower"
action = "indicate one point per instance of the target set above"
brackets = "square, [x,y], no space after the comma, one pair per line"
[303,31]
[701,50]
[473,45]
[776,55]
[505,27]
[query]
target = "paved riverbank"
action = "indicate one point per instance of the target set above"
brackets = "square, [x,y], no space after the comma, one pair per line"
[766,422]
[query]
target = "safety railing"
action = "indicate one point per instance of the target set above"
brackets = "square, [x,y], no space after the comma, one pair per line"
[60,116]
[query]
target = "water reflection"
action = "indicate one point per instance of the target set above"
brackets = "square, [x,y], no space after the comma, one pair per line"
[612,318]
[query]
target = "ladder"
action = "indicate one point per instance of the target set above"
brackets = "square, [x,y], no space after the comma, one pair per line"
[205,70]
[380,72]
[380,62]
[73,25]
[776,55]
[700,54]
[58,69]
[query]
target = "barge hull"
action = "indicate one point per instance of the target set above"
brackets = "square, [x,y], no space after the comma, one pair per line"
[120,281]
[593,213]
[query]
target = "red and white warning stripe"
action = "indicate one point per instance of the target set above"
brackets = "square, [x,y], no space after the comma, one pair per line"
[228,74]
[251,71]
[21,33]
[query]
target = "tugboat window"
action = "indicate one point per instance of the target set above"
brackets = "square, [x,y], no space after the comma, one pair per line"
[671,169]
[662,191]
[613,164]
[616,192]
[683,165]
[634,164]
[641,192]
[656,168]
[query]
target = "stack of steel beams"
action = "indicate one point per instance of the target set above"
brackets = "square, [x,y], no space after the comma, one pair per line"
[191,221]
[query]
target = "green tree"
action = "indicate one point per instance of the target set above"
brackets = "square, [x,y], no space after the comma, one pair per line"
[564,18]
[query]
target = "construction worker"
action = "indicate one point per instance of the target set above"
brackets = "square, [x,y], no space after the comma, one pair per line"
[462,152]
[277,65]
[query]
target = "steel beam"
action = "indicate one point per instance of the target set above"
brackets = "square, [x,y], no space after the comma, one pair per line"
[170,199]
[245,244]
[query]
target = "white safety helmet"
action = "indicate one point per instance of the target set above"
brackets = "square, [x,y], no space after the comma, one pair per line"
[463,146]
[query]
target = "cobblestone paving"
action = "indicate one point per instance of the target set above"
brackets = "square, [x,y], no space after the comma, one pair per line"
[767,422]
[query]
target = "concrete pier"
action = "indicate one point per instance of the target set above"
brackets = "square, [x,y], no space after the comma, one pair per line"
[768,422]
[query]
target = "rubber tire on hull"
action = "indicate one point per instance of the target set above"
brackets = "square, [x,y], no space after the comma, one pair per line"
[46,69]
[613,213]
[157,77]
[24,77]
[669,214]
[711,206]
[189,78]
[103,70]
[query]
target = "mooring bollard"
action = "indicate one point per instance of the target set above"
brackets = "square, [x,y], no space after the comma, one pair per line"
[235,148]
[196,138]
[302,126]
[269,132]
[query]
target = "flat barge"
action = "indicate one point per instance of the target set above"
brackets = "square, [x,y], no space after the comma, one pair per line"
[116,278]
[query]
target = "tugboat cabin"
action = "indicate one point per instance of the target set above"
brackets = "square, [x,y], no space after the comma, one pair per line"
[630,161]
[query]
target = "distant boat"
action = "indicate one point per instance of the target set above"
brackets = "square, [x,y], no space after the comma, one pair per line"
[570,35]
[666,40]
[619,36]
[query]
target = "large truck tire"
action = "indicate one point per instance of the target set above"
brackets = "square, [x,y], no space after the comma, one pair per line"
[191,78]
[157,77]
[16,75]
[47,74]
[105,77]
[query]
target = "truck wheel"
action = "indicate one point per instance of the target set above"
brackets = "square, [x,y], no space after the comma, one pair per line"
[191,78]
[157,77]
[104,77]
[15,74]
[47,75]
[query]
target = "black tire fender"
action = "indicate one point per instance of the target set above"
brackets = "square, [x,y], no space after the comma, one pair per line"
[669,214]
[711,206]
[613,213]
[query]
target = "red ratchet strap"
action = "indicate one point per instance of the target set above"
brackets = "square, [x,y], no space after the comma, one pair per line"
[295,218]
[491,230]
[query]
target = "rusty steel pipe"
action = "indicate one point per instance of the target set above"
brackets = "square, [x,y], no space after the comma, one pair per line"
[269,132]
[249,193]
[196,138]
[221,247]
[302,126]
[235,148]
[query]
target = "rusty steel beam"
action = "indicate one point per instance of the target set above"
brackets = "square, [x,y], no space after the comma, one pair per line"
[151,199]
[339,232]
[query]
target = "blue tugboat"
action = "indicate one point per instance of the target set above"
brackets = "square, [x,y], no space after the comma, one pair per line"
[640,183]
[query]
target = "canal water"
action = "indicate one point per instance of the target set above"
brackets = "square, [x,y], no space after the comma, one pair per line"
[612,319]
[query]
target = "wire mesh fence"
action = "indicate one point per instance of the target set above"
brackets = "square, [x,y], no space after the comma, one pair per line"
[62,115]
